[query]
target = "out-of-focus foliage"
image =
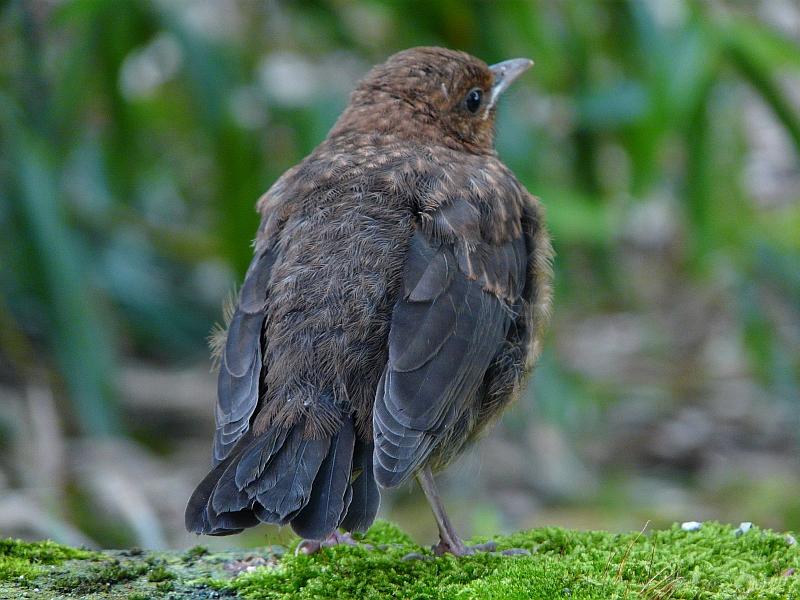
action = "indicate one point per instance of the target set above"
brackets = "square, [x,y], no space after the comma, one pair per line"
[663,138]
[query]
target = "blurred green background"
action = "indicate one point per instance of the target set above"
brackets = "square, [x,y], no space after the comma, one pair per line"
[662,136]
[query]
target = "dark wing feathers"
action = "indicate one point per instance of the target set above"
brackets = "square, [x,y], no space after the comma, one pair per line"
[196,516]
[227,496]
[252,296]
[292,489]
[419,330]
[239,352]
[200,518]
[348,499]
[240,364]
[452,320]
[434,279]
[258,455]
[276,470]
[446,342]
[278,476]
[238,397]
[326,506]
[280,463]
[233,522]
[365,497]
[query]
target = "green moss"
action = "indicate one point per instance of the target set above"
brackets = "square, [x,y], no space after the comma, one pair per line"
[24,559]
[194,553]
[384,532]
[165,586]
[160,573]
[709,564]
[99,577]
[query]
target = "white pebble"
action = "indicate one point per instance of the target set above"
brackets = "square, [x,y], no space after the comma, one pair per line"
[691,525]
[744,527]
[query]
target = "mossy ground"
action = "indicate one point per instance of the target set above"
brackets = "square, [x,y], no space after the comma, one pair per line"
[711,563]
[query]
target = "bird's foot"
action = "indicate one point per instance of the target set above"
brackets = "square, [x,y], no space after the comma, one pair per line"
[335,539]
[456,547]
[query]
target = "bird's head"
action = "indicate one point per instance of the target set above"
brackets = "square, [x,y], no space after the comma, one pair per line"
[434,95]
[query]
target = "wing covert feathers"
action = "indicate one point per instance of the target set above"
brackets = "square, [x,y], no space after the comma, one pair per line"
[446,329]
[240,362]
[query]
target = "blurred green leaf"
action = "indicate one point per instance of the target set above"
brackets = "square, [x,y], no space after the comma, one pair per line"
[574,218]
[79,339]
[766,46]
[760,75]
[609,108]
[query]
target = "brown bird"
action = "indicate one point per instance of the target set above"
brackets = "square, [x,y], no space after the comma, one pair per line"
[393,308]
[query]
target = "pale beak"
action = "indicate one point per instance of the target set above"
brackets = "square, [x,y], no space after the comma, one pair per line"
[505,73]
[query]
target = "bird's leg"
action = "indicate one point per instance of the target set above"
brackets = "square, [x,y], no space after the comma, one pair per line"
[448,538]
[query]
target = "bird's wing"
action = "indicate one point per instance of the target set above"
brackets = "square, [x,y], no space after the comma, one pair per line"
[459,295]
[240,361]
[241,355]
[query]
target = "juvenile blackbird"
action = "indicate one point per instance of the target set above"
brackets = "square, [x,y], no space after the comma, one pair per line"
[393,308]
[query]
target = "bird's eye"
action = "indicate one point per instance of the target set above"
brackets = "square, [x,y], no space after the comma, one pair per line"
[474,100]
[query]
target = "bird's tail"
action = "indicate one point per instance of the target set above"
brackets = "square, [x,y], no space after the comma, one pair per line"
[280,476]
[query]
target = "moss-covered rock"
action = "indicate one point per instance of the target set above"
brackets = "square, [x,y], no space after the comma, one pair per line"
[713,562]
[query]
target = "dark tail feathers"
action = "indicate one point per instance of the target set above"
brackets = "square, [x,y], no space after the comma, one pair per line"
[279,477]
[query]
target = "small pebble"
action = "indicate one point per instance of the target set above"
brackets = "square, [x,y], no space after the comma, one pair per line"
[691,525]
[489,546]
[744,527]
[790,539]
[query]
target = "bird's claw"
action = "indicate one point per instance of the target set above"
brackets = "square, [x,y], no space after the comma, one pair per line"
[458,548]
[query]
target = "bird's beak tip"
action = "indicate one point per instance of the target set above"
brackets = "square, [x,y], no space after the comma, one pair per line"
[506,72]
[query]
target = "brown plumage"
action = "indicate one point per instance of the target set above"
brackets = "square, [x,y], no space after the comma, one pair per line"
[394,305]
